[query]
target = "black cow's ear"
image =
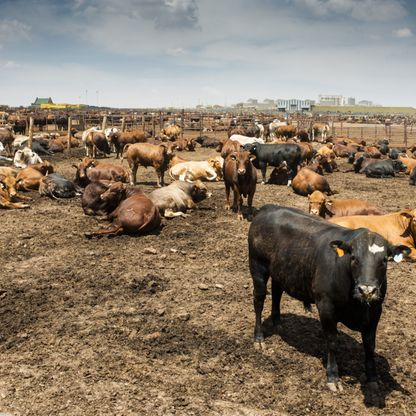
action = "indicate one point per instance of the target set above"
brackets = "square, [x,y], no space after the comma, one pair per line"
[398,253]
[340,247]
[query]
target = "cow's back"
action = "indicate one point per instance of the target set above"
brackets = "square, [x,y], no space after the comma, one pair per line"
[296,248]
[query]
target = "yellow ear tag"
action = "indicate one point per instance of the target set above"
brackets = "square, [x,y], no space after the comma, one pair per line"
[340,252]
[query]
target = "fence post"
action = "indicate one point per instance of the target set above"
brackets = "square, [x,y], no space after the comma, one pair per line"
[405,132]
[375,131]
[153,126]
[104,125]
[200,124]
[69,134]
[144,122]
[123,123]
[30,132]
[333,127]
[342,128]
[182,122]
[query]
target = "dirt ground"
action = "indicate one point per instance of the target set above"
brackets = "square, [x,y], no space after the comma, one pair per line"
[105,327]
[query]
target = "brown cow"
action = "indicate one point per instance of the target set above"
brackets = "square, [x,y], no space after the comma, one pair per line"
[8,194]
[185,144]
[397,227]
[286,131]
[306,181]
[228,147]
[241,176]
[146,154]
[373,152]
[409,162]
[30,177]
[136,213]
[8,171]
[120,139]
[94,141]
[171,132]
[306,151]
[91,200]
[91,170]
[324,207]
[6,138]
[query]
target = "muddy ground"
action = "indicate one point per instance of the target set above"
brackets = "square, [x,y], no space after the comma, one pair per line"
[104,327]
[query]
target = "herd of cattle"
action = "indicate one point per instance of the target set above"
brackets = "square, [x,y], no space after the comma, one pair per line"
[334,256]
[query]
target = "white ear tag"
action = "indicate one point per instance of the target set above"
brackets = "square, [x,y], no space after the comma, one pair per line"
[398,258]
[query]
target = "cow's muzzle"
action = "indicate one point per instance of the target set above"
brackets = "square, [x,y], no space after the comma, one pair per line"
[368,293]
[241,171]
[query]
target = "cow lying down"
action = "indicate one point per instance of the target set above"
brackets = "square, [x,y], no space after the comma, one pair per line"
[174,200]
[57,186]
[136,213]
[209,170]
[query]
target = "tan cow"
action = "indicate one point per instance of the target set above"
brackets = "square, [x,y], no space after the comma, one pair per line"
[209,170]
[30,177]
[321,205]
[8,194]
[397,227]
[146,154]
[306,181]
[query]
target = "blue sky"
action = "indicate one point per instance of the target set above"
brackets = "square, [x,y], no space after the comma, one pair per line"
[151,53]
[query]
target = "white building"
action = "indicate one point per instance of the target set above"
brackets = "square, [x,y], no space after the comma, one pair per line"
[294,105]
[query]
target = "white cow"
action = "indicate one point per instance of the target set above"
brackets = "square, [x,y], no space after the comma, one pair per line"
[243,140]
[85,134]
[273,126]
[20,141]
[261,129]
[25,157]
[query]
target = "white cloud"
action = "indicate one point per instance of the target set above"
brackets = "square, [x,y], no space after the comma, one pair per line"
[176,52]
[11,30]
[404,32]
[10,65]
[364,10]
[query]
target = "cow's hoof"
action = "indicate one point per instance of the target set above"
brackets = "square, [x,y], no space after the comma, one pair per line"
[259,345]
[373,387]
[227,207]
[240,217]
[335,386]
[88,235]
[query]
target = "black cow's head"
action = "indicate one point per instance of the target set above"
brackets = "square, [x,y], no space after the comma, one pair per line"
[398,166]
[368,254]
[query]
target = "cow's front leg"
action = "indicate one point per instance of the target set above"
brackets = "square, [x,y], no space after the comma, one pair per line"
[250,205]
[329,327]
[227,196]
[240,208]
[236,195]
[368,336]
[263,169]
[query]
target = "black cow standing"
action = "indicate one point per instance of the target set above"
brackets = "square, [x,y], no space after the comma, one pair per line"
[275,155]
[342,271]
